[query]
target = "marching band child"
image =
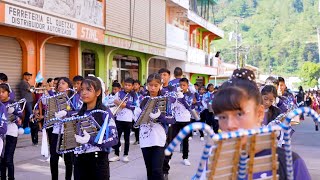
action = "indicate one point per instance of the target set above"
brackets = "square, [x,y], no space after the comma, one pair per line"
[287,101]
[176,82]
[109,99]
[269,95]
[238,105]
[139,97]
[55,83]
[196,87]
[63,85]
[77,80]
[49,87]
[12,133]
[183,115]
[126,100]
[165,90]
[153,134]
[286,98]
[37,116]
[194,106]
[38,93]
[34,122]
[177,75]
[3,124]
[76,100]
[138,93]
[199,107]
[93,163]
[116,87]
[4,79]
[207,100]
[53,90]
[49,84]
[165,79]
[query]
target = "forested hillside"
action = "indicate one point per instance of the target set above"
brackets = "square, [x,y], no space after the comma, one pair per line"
[280,33]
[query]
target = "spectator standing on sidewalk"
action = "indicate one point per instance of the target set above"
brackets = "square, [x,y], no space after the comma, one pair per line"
[24,88]
[300,99]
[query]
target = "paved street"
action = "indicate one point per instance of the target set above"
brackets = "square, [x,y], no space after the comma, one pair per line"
[30,165]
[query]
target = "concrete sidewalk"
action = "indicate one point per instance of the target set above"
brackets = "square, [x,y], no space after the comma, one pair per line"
[30,165]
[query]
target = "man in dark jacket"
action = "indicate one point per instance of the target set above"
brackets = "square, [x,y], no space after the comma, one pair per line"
[24,88]
[300,100]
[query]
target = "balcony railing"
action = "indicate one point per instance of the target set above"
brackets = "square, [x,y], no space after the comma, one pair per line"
[196,56]
[199,56]
[177,37]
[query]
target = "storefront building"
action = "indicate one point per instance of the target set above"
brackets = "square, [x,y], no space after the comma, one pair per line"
[111,39]
[43,36]
[135,38]
[189,41]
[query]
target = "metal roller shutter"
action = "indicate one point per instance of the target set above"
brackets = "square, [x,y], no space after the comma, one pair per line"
[56,61]
[141,19]
[11,61]
[158,22]
[118,16]
[119,19]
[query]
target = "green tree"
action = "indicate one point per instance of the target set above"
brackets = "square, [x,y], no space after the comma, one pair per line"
[309,73]
[310,58]
[245,27]
[255,3]
[283,30]
[245,10]
[311,53]
[298,6]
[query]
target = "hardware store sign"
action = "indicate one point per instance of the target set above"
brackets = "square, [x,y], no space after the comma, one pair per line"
[29,19]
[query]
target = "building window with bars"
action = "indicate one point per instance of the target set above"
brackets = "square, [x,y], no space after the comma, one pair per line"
[156,64]
[125,67]
[88,63]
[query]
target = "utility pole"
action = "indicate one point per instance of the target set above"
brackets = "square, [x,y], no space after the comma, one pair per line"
[318,33]
[237,26]
[270,67]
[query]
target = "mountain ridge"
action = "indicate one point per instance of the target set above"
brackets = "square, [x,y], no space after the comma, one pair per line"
[280,35]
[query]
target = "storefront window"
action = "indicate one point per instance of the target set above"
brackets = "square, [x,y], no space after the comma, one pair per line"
[88,63]
[125,67]
[156,64]
[200,81]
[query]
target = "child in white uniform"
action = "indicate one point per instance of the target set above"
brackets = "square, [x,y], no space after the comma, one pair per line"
[153,135]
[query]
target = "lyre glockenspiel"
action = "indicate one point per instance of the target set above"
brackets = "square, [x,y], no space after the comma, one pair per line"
[68,127]
[18,107]
[226,156]
[153,103]
[54,104]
